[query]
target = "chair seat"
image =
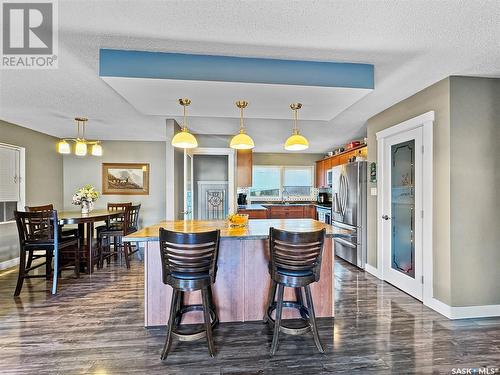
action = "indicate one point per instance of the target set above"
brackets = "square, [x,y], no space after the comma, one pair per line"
[287,272]
[190,276]
[42,244]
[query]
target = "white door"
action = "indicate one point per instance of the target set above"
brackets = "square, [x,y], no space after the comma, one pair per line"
[188,185]
[401,217]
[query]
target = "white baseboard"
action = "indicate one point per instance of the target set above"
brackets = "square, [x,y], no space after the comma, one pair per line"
[372,270]
[463,312]
[9,263]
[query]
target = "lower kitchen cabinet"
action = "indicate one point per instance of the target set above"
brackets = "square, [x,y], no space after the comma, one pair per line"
[254,214]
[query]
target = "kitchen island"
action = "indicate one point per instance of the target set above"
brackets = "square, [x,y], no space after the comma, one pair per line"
[242,283]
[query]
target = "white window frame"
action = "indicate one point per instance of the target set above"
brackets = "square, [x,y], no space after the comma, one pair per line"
[21,203]
[282,176]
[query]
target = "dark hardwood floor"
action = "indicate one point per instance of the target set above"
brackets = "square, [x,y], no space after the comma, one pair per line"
[95,326]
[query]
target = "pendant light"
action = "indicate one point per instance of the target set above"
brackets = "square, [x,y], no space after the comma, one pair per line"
[184,139]
[81,144]
[296,142]
[242,141]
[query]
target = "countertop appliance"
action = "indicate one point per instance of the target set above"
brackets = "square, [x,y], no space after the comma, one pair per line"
[324,214]
[323,198]
[349,211]
[242,199]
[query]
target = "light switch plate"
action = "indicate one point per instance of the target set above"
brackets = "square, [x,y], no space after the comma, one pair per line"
[373,191]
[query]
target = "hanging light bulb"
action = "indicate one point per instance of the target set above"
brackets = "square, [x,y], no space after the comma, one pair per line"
[242,141]
[296,142]
[63,147]
[97,150]
[184,139]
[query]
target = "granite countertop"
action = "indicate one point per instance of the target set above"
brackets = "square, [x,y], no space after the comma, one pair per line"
[251,207]
[265,206]
[257,229]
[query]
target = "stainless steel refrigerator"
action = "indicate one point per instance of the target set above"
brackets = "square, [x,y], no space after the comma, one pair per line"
[349,211]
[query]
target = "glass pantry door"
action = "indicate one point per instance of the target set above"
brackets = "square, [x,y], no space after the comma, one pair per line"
[401,219]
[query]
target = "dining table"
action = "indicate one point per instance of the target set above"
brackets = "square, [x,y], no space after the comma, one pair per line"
[86,222]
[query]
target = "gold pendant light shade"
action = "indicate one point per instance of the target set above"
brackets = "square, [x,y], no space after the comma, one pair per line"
[296,142]
[184,139]
[63,147]
[242,141]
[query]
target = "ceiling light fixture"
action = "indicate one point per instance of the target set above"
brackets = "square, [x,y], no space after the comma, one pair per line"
[296,142]
[242,141]
[81,143]
[184,139]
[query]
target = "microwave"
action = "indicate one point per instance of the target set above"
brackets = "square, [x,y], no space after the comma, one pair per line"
[329,177]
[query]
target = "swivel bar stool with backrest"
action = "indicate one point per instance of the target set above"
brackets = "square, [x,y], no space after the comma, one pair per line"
[189,263]
[38,231]
[295,263]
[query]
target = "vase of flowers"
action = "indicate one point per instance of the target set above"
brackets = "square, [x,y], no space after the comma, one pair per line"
[85,198]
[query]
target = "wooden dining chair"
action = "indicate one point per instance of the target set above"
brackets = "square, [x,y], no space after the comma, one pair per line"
[63,232]
[38,231]
[116,234]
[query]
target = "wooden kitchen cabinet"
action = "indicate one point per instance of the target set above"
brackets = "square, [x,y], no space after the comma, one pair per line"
[254,214]
[291,212]
[320,174]
[244,164]
[324,165]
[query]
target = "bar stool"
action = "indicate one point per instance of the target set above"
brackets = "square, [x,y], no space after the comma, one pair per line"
[189,263]
[295,263]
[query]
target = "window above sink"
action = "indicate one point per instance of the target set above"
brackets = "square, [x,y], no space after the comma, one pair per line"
[282,183]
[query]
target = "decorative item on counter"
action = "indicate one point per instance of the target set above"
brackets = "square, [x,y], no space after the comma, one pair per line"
[353,144]
[339,150]
[330,153]
[85,198]
[373,172]
[238,220]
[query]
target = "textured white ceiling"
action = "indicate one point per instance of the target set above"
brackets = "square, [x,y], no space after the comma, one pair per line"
[412,45]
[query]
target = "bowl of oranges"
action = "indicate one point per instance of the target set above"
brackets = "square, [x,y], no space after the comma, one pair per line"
[238,220]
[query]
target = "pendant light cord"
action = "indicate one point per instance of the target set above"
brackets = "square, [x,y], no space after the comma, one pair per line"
[184,127]
[242,129]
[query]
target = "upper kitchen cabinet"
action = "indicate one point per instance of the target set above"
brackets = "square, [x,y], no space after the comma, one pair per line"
[322,166]
[244,160]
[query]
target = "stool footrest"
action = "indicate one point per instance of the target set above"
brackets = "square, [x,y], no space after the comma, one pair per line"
[304,313]
[196,335]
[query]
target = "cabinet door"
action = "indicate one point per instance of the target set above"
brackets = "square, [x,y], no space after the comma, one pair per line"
[320,173]
[335,161]
[244,160]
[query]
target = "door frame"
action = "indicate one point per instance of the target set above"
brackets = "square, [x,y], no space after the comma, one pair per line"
[426,122]
[230,153]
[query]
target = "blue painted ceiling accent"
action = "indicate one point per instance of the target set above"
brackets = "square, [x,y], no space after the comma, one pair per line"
[142,64]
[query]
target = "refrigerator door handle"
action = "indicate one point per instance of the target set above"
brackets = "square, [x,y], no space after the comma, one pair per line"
[344,242]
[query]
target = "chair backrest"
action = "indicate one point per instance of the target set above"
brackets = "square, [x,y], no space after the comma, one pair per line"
[132,219]
[36,226]
[47,207]
[296,251]
[189,253]
[121,206]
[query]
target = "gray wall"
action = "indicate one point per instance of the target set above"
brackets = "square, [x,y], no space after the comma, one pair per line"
[434,98]
[44,177]
[475,191]
[283,158]
[79,171]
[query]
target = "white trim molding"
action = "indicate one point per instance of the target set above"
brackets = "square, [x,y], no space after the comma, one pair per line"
[372,270]
[9,263]
[463,312]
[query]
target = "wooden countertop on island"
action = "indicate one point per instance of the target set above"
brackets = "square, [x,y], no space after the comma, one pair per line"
[257,229]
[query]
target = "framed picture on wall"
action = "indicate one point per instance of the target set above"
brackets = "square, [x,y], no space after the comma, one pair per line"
[125,178]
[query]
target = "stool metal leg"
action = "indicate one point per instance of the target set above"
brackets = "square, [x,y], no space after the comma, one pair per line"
[277,321]
[171,319]
[312,319]
[270,300]
[208,324]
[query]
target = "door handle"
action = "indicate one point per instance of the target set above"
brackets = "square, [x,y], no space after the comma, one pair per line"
[385,217]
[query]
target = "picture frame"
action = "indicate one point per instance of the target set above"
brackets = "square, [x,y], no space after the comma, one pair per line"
[125,178]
